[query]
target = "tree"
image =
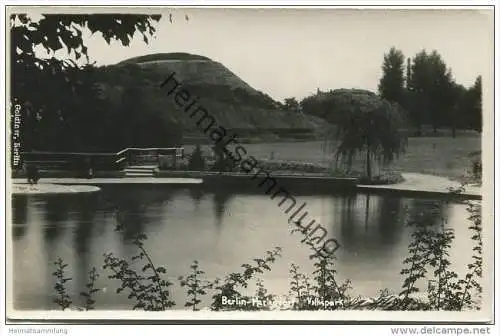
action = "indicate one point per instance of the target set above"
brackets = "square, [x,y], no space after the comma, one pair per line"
[223,161]
[477,105]
[392,83]
[197,162]
[456,118]
[408,73]
[468,106]
[47,109]
[291,104]
[131,116]
[312,105]
[328,105]
[431,87]
[369,126]
[85,128]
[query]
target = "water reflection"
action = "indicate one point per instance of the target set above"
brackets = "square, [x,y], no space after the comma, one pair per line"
[86,211]
[367,210]
[85,221]
[347,207]
[55,214]
[196,195]
[19,215]
[428,213]
[369,223]
[53,223]
[371,230]
[131,217]
[391,216]
[133,211]
[221,197]
[394,214]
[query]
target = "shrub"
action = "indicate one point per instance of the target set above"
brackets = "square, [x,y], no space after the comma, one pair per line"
[384,178]
[196,286]
[476,171]
[290,166]
[139,276]
[165,162]
[232,284]
[474,174]
[62,299]
[197,161]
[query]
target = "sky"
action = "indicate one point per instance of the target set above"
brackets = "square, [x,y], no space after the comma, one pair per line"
[294,52]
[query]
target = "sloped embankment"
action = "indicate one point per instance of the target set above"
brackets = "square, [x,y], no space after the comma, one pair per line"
[232,101]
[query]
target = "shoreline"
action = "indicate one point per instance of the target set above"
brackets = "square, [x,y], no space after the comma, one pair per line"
[414,183]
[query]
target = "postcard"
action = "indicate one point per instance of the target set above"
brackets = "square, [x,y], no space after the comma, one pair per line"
[244,163]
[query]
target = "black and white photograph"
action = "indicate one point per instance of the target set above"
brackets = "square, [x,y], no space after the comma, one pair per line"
[334,163]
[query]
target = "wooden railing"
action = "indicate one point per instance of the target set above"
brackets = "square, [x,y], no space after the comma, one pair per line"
[99,161]
[147,155]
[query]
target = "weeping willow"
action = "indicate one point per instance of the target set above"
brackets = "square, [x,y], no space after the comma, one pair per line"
[368,127]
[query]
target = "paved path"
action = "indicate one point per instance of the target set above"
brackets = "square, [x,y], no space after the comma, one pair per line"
[47,188]
[415,182]
[119,180]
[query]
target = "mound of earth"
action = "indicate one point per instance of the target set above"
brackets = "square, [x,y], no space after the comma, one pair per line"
[233,102]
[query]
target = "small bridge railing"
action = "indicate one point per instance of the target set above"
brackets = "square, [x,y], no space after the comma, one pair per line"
[99,161]
[148,155]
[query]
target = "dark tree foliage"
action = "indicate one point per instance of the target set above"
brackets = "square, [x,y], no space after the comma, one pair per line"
[431,85]
[366,125]
[332,105]
[197,162]
[223,161]
[369,126]
[476,105]
[425,89]
[392,83]
[431,96]
[456,115]
[73,114]
[62,32]
[323,105]
[291,104]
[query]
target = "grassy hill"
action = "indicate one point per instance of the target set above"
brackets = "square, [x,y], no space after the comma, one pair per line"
[191,69]
[233,102]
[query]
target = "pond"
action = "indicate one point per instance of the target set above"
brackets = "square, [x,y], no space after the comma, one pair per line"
[221,229]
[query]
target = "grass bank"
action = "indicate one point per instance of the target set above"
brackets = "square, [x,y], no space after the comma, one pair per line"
[441,156]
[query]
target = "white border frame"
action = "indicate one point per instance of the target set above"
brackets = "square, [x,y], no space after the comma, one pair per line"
[311,316]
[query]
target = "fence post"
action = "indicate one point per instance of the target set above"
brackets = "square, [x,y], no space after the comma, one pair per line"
[174,159]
